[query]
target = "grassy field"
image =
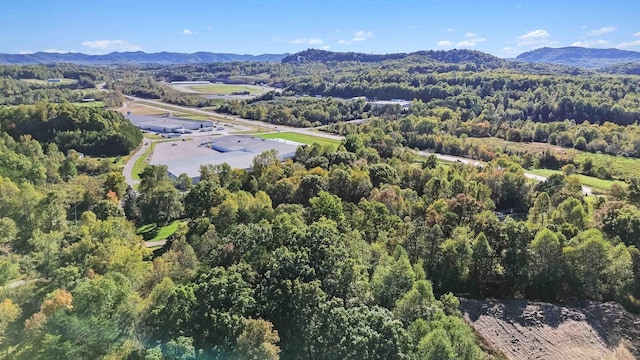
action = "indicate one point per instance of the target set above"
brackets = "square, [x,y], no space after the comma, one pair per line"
[45,82]
[97,104]
[303,139]
[599,184]
[619,166]
[225,89]
[151,232]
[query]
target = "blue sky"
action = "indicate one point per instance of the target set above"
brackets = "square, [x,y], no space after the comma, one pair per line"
[502,28]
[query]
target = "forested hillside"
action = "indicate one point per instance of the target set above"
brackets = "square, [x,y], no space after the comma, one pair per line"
[88,130]
[346,252]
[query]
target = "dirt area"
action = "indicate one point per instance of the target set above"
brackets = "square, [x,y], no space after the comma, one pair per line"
[530,330]
[136,109]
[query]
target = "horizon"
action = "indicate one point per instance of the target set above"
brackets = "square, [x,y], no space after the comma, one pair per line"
[499,28]
[243,54]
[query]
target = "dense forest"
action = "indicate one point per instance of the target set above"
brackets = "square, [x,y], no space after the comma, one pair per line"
[359,251]
[92,131]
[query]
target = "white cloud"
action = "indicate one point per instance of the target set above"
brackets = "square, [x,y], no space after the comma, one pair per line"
[111,45]
[466,44]
[534,38]
[630,44]
[472,40]
[326,47]
[595,43]
[208,27]
[444,43]
[358,36]
[57,51]
[311,41]
[188,32]
[636,34]
[25,52]
[602,31]
[450,30]
[363,34]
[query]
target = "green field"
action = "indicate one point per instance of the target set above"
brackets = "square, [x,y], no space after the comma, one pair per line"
[45,82]
[98,104]
[619,166]
[599,184]
[303,139]
[151,232]
[225,89]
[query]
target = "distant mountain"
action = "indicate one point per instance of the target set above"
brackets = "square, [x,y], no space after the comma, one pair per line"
[137,57]
[579,56]
[450,56]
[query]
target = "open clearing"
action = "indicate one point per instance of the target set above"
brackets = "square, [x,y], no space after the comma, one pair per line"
[226,89]
[301,138]
[619,166]
[97,104]
[46,82]
[600,184]
[522,329]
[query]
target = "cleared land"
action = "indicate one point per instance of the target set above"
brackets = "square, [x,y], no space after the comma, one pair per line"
[301,138]
[98,104]
[600,184]
[522,329]
[226,89]
[152,232]
[619,166]
[46,82]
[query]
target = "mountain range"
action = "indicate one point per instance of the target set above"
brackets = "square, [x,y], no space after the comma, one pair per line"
[572,56]
[137,57]
[580,57]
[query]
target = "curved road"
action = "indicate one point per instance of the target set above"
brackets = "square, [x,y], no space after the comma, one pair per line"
[305,131]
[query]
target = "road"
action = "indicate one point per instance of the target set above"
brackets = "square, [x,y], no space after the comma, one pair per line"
[128,167]
[587,190]
[309,132]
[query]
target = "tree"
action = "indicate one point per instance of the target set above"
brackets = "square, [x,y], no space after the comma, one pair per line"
[107,208]
[392,279]
[202,197]
[9,313]
[417,303]
[328,206]
[545,265]
[357,333]
[258,341]
[482,270]
[115,182]
[160,204]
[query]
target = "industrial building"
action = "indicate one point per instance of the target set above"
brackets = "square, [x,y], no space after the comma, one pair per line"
[236,150]
[161,124]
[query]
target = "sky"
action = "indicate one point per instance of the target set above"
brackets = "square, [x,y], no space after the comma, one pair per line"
[501,28]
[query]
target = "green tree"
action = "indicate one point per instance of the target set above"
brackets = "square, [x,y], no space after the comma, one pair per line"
[258,341]
[545,265]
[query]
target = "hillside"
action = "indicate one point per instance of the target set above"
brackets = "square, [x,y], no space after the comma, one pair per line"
[579,56]
[451,56]
[522,329]
[137,57]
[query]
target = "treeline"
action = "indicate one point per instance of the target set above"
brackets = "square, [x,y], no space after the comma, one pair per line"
[88,130]
[300,112]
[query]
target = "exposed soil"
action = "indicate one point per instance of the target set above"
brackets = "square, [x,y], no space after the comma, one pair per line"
[522,329]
